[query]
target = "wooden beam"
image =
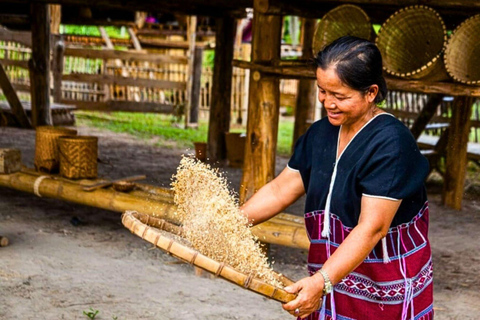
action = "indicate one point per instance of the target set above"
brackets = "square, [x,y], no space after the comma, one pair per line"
[128,106]
[161,43]
[456,152]
[22,37]
[220,105]
[426,114]
[40,71]
[120,81]
[106,38]
[307,89]
[14,19]
[215,8]
[13,101]
[17,63]
[295,70]
[133,37]
[263,108]
[124,55]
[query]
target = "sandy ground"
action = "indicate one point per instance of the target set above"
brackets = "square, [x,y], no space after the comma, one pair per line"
[55,270]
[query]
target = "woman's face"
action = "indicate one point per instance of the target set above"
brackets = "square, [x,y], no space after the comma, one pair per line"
[344,105]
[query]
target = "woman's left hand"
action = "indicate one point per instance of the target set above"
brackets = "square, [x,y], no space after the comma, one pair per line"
[309,298]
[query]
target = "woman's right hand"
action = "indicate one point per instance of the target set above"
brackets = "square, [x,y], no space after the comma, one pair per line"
[309,296]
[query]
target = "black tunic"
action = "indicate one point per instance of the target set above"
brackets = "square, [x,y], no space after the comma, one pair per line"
[382,160]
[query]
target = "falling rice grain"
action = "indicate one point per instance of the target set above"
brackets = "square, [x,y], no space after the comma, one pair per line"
[213,223]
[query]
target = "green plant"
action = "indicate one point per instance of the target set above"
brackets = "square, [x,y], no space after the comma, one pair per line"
[91,314]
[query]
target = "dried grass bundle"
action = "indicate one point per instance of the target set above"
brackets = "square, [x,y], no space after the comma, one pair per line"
[212,221]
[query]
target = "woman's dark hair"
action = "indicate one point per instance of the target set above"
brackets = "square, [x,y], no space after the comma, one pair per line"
[358,64]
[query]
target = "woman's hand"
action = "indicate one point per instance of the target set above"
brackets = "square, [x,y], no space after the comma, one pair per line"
[309,298]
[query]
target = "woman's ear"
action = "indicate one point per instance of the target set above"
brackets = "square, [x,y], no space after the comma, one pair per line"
[372,93]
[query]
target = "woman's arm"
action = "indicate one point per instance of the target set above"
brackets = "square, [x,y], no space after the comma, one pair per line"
[375,219]
[273,197]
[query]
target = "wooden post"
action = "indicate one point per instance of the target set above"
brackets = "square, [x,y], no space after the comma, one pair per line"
[426,115]
[456,152]
[191,37]
[307,89]
[58,57]
[55,18]
[13,101]
[196,84]
[263,107]
[40,65]
[220,104]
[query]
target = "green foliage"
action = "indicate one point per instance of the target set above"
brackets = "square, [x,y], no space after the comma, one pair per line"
[208,58]
[167,128]
[286,37]
[146,126]
[91,314]
[112,31]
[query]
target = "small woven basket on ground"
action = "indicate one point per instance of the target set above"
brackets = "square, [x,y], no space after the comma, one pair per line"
[46,147]
[344,20]
[78,157]
[412,41]
[168,237]
[462,55]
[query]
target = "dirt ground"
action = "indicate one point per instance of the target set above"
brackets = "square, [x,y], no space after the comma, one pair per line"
[65,259]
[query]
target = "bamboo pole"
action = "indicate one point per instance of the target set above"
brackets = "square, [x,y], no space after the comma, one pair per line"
[286,230]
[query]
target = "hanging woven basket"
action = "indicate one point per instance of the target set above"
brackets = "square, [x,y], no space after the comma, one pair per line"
[412,41]
[168,237]
[462,55]
[46,147]
[78,157]
[344,20]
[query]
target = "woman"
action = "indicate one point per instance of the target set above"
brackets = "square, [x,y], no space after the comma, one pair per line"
[366,205]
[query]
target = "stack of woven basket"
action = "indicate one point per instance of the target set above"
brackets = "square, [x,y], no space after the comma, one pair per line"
[60,150]
[413,42]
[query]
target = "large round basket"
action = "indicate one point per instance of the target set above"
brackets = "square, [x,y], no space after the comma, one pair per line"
[462,55]
[166,237]
[46,147]
[412,41]
[344,20]
[78,157]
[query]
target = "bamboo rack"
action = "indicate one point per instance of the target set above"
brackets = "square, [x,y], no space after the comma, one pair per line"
[284,229]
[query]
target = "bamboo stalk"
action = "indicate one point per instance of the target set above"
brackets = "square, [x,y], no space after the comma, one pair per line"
[157,202]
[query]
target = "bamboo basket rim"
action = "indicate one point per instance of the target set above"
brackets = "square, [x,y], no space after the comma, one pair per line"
[335,10]
[452,38]
[55,129]
[77,138]
[434,59]
[148,228]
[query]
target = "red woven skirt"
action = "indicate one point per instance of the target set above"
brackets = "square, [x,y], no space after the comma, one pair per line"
[399,289]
